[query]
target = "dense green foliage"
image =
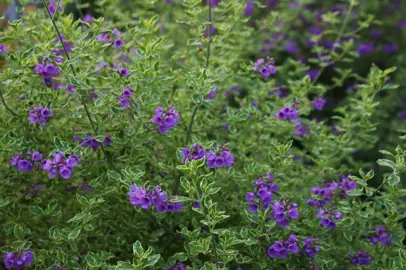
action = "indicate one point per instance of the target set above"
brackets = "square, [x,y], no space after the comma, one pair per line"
[175,60]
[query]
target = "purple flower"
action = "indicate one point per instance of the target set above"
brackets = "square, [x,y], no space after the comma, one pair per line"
[212,31]
[313,73]
[282,249]
[196,152]
[58,164]
[249,8]
[382,235]
[265,69]
[118,43]
[88,18]
[235,89]
[212,93]
[3,48]
[301,129]
[365,48]
[124,72]
[71,89]
[310,247]
[222,158]
[139,197]
[165,120]
[39,114]
[362,258]
[291,47]
[282,212]
[319,103]
[89,141]
[125,97]
[18,260]
[178,266]
[287,113]
[390,47]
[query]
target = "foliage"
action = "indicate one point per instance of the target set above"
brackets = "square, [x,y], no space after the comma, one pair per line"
[97,112]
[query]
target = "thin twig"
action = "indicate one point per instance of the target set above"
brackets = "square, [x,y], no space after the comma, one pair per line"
[5,105]
[75,75]
[337,39]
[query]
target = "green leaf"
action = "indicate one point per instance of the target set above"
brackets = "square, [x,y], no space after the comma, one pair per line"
[138,250]
[99,138]
[124,266]
[152,260]
[386,163]
[8,38]
[114,175]
[355,192]
[74,233]
[4,202]
[54,208]
[19,231]
[36,210]
[58,143]
[185,184]
[393,179]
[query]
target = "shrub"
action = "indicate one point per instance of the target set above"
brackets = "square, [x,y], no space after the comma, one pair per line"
[181,134]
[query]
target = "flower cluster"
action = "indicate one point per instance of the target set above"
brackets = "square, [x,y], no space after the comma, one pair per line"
[113,39]
[54,5]
[281,212]
[281,249]
[221,158]
[125,97]
[178,266]
[319,103]
[90,141]
[311,247]
[33,190]
[3,48]
[265,69]
[328,190]
[156,197]
[18,260]
[67,45]
[329,217]
[48,71]
[301,129]
[287,113]
[26,164]
[165,120]
[362,258]
[60,164]
[382,235]
[39,114]
[85,188]
[264,189]
[196,152]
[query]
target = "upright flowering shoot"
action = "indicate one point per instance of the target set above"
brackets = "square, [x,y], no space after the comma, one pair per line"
[265,68]
[145,199]
[264,189]
[287,113]
[165,120]
[283,211]
[90,141]
[221,158]
[60,164]
[282,249]
[196,152]
[39,114]
[18,260]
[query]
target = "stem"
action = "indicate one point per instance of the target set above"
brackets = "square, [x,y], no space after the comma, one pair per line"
[5,105]
[349,11]
[210,40]
[189,130]
[75,75]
